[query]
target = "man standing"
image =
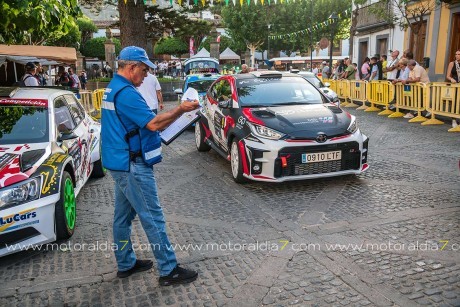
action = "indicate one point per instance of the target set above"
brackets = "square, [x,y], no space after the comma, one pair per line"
[151,91]
[392,66]
[244,69]
[74,77]
[374,70]
[131,144]
[315,69]
[417,73]
[29,78]
[325,71]
[83,79]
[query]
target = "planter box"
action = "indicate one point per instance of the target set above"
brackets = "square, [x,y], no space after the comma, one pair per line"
[168,87]
[94,85]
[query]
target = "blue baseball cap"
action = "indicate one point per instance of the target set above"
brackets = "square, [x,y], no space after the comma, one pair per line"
[133,53]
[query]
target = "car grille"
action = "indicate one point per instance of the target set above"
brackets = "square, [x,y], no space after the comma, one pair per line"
[350,160]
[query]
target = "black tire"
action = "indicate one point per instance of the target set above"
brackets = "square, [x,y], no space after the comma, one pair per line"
[64,226]
[236,163]
[98,170]
[199,138]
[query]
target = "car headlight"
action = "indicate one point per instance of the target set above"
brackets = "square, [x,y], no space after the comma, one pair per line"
[23,192]
[353,126]
[264,132]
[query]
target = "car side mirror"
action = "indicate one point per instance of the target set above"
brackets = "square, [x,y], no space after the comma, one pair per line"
[224,104]
[327,84]
[178,91]
[66,136]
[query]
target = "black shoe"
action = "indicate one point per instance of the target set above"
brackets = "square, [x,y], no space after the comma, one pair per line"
[178,276]
[140,266]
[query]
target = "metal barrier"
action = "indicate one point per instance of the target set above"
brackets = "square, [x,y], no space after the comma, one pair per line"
[444,100]
[86,99]
[358,92]
[333,84]
[343,90]
[97,102]
[380,93]
[410,97]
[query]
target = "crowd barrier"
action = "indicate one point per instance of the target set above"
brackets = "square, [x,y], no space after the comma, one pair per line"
[97,102]
[444,100]
[380,93]
[358,92]
[410,97]
[343,91]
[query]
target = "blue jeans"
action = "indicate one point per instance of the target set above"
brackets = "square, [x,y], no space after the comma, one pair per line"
[136,193]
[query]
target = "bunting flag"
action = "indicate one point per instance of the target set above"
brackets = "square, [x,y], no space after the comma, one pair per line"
[135,2]
[203,2]
[324,24]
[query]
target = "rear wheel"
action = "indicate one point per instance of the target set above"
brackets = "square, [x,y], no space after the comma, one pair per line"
[199,138]
[66,209]
[236,163]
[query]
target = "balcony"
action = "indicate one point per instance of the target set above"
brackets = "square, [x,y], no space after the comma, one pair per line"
[368,20]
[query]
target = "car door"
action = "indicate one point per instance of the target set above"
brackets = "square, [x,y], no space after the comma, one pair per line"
[221,91]
[82,130]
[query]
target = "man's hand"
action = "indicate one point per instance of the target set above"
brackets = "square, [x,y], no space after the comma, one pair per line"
[162,106]
[188,105]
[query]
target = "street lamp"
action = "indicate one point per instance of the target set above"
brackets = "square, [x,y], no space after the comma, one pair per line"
[268,43]
[311,35]
[334,18]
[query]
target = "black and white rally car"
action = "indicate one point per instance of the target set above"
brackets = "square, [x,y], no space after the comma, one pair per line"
[276,127]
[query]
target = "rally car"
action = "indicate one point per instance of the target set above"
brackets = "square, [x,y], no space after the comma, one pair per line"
[323,87]
[49,147]
[276,127]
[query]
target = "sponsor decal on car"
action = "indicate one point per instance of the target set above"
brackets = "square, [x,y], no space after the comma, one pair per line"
[7,222]
[25,102]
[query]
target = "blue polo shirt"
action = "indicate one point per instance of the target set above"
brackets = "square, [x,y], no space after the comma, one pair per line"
[132,109]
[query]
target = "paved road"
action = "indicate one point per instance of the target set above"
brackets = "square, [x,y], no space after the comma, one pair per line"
[410,196]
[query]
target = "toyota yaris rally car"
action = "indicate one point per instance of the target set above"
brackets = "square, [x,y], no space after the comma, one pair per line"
[49,147]
[277,127]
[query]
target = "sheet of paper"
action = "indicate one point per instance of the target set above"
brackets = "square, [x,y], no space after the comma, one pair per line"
[190,94]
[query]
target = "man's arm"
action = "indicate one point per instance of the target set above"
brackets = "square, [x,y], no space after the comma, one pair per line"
[162,121]
[160,99]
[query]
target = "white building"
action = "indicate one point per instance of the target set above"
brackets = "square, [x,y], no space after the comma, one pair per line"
[375,35]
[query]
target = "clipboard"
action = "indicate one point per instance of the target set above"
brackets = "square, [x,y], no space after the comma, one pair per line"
[178,126]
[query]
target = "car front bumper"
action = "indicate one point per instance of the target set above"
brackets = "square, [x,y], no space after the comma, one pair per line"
[27,225]
[279,161]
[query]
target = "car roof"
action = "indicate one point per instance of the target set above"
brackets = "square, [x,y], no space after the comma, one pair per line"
[264,74]
[306,74]
[31,92]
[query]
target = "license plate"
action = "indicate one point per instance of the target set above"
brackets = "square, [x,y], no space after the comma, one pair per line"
[321,156]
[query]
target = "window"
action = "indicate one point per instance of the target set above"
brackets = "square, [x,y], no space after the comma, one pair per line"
[77,112]
[382,46]
[221,91]
[64,121]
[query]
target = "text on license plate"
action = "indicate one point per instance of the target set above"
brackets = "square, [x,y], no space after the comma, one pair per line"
[322,156]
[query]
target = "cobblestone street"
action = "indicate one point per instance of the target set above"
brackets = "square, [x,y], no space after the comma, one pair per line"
[368,240]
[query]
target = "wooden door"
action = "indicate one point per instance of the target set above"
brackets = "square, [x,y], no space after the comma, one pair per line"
[363,53]
[455,37]
[417,42]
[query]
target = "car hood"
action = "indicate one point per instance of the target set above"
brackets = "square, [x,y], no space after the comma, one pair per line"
[19,161]
[305,121]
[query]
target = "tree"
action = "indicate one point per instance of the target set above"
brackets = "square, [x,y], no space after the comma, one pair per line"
[132,23]
[95,47]
[172,46]
[87,28]
[34,21]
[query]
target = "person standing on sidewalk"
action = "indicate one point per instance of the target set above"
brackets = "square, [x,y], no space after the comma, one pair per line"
[150,89]
[131,144]
[453,75]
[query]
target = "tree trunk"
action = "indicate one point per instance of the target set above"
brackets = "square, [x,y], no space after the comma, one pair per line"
[132,23]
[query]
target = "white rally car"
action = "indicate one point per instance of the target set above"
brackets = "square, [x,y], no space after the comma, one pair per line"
[49,147]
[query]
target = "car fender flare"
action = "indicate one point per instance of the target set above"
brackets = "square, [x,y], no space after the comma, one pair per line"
[51,171]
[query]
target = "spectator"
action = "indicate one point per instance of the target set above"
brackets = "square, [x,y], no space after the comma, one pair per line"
[417,74]
[83,80]
[453,75]
[107,70]
[326,71]
[392,66]
[380,66]
[244,69]
[29,78]
[38,75]
[356,71]
[63,78]
[349,72]
[404,71]
[365,69]
[315,69]
[150,89]
[374,69]
[74,78]
[335,71]
[383,60]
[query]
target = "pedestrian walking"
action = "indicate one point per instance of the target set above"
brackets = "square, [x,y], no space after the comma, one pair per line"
[131,144]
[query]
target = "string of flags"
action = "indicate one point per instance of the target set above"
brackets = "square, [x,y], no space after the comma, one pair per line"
[318,26]
[211,2]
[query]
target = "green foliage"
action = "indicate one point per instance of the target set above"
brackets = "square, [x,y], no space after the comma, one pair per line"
[34,21]
[87,28]
[9,117]
[95,47]
[70,39]
[172,46]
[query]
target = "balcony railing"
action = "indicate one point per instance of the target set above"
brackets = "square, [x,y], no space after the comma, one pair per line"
[368,17]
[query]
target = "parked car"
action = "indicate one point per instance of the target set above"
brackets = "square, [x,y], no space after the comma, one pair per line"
[276,127]
[323,87]
[49,147]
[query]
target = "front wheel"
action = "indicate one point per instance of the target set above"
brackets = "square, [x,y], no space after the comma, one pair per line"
[199,138]
[236,163]
[66,209]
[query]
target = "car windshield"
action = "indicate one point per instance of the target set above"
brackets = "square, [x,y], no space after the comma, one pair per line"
[277,91]
[201,85]
[23,124]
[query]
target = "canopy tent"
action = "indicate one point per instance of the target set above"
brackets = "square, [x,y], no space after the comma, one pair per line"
[59,54]
[25,59]
[229,54]
[203,53]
